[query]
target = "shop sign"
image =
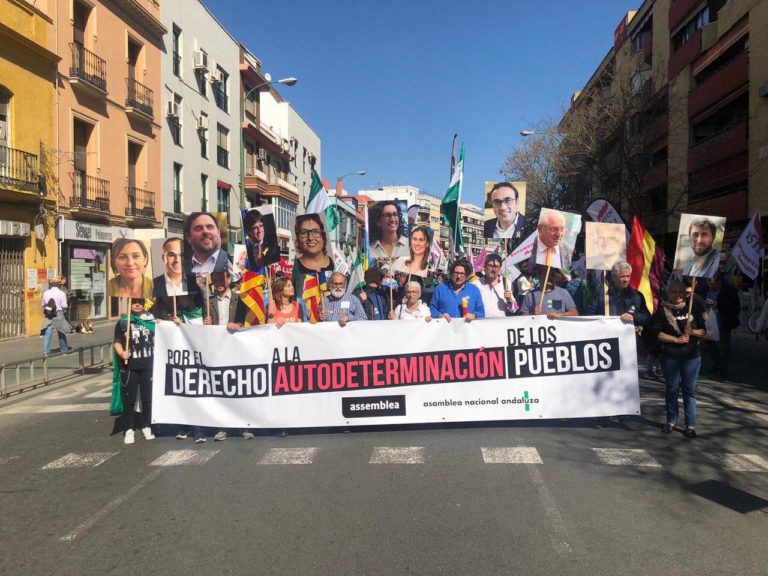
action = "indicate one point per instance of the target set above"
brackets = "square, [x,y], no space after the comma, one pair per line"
[74,230]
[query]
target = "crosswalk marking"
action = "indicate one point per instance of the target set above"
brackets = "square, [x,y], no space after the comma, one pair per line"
[55,408]
[626,457]
[184,458]
[87,460]
[511,455]
[4,459]
[740,462]
[397,455]
[105,392]
[289,456]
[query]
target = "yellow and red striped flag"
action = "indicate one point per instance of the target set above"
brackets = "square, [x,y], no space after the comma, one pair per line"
[647,261]
[311,296]
[252,295]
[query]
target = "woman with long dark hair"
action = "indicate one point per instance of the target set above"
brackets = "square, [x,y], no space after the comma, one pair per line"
[387,231]
[417,264]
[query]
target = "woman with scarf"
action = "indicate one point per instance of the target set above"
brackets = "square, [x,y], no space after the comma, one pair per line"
[679,335]
[134,345]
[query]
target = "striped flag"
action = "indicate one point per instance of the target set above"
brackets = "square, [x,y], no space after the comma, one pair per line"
[319,203]
[311,296]
[252,295]
[647,261]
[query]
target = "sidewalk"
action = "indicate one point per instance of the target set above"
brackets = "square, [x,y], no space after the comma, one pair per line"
[32,346]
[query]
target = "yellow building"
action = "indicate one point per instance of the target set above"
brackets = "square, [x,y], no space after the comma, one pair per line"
[28,252]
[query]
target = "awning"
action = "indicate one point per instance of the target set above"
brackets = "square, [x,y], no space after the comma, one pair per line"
[222,184]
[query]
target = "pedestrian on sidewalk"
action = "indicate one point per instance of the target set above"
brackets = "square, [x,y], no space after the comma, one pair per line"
[134,365]
[55,306]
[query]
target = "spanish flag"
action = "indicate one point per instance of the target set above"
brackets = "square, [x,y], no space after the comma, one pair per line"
[647,261]
[252,295]
[311,296]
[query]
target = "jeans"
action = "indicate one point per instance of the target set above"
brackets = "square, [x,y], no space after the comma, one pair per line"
[47,341]
[681,373]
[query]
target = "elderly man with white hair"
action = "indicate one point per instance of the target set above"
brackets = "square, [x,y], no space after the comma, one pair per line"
[412,307]
[338,305]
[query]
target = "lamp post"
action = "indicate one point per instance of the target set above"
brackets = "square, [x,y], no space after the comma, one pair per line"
[339,190]
[287,82]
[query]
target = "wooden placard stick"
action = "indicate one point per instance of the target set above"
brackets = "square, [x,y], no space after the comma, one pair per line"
[544,288]
[690,303]
[128,328]
[605,294]
[207,294]
[174,306]
[391,288]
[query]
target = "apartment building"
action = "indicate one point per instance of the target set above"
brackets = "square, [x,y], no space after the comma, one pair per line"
[472,221]
[200,117]
[693,76]
[108,142]
[28,255]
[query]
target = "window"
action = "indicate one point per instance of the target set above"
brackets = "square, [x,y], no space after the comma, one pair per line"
[177,188]
[174,122]
[203,193]
[202,81]
[220,89]
[222,146]
[286,214]
[250,159]
[176,51]
[688,30]
[252,102]
[203,135]
[222,199]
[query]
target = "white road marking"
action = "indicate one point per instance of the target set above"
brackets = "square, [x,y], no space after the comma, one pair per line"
[55,408]
[559,537]
[4,459]
[740,462]
[103,393]
[86,460]
[626,457]
[184,458]
[511,455]
[85,526]
[289,456]
[397,455]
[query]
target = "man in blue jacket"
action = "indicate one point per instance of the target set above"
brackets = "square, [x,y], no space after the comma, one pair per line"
[457,299]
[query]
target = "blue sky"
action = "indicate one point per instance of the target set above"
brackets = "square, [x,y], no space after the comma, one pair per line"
[387,84]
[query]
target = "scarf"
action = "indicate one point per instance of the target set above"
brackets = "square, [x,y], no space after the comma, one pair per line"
[670,317]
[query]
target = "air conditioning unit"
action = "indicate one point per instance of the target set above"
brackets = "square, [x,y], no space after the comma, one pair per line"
[216,76]
[202,122]
[172,109]
[201,60]
[262,153]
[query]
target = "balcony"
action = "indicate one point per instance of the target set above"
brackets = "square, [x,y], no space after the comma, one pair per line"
[723,176]
[89,193]
[18,170]
[686,54]
[88,70]
[139,100]
[655,177]
[679,10]
[141,203]
[656,129]
[723,145]
[728,79]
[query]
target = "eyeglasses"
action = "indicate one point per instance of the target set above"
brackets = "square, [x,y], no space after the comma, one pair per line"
[459,273]
[390,215]
[314,233]
[508,201]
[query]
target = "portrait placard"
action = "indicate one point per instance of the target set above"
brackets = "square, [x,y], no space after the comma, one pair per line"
[167,261]
[203,249]
[699,240]
[605,244]
[555,240]
[261,244]
[131,269]
[505,210]
[388,230]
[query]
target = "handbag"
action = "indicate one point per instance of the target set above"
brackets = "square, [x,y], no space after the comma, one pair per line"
[713,332]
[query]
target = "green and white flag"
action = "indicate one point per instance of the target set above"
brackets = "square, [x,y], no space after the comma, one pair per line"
[319,203]
[449,208]
[357,277]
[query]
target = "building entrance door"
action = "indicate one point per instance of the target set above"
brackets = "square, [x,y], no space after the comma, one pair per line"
[11,288]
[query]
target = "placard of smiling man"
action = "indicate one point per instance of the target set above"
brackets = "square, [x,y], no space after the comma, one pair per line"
[504,199]
[555,239]
[202,234]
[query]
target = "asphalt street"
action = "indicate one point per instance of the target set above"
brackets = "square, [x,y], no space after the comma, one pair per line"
[556,497]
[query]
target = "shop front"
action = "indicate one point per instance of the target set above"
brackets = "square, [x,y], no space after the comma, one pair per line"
[85,254]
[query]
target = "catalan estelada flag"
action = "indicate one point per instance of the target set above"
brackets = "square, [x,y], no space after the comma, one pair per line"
[311,296]
[647,263]
[252,295]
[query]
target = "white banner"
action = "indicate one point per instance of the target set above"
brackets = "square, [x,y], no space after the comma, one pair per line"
[749,250]
[390,372]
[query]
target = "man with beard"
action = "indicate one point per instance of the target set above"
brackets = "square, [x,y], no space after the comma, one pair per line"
[339,306]
[201,231]
[508,223]
[497,300]
[705,258]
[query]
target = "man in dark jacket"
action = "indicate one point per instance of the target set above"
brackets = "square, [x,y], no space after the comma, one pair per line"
[723,300]
[374,298]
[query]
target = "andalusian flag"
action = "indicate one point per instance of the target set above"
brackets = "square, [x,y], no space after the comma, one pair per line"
[357,276]
[311,296]
[449,208]
[252,295]
[647,263]
[318,202]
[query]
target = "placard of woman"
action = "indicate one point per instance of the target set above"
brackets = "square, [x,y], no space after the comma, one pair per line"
[130,260]
[417,264]
[311,242]
[387,231]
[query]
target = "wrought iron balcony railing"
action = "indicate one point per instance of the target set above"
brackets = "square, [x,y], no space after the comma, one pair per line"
[89,192]
[18,170]
[141,203]
[88,67]
[139,97]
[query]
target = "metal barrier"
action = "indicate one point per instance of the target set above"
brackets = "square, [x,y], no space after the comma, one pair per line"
[25,375]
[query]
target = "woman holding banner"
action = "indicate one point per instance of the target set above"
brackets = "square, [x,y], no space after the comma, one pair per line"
[412,307]
[418,262]
[284,308]
[679,325]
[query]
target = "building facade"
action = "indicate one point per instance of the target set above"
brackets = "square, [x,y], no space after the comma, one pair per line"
[28,253]
[200,117]
[108,142]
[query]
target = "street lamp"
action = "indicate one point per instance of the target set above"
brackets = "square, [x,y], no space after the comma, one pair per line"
[525,133]
[290,81]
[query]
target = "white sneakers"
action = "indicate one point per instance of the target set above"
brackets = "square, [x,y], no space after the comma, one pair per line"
[148,433]
[130,437]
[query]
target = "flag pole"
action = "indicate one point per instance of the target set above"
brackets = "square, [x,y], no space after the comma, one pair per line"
[391,288]
[544,288]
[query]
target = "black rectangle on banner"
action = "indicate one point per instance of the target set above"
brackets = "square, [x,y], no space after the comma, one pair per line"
[370,406]
[564,358]
[217,382]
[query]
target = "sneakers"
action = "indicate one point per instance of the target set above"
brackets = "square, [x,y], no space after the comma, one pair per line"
[220,435]
[199,439]
[247,435]
[181,436]
[148,433]
[130,437]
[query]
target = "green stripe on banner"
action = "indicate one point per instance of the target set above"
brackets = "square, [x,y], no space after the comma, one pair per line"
[527,406]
